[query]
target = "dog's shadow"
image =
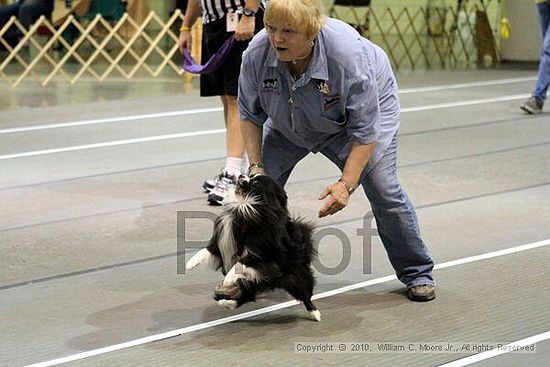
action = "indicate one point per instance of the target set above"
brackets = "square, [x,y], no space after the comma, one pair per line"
[342,314]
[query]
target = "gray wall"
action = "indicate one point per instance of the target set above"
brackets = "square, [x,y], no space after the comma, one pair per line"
[525,35]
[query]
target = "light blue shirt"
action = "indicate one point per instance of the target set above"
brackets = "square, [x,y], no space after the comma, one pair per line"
[348,87]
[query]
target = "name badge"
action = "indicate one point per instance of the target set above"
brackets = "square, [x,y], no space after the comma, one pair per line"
[232,20]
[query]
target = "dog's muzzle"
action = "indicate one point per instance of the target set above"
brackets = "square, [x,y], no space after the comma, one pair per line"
[243,183]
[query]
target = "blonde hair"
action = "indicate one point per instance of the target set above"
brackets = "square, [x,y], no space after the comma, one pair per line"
[307,15]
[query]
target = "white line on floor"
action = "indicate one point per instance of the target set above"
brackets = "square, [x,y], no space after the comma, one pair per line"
[111,119]
[485,83]
[466,103]
[496,352]
[221,131]
[112,143]
[261,311]
[219,109]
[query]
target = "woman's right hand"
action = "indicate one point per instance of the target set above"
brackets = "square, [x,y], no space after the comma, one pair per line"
[338,198]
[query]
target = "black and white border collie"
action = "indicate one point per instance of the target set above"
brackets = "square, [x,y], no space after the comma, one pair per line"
[259,247]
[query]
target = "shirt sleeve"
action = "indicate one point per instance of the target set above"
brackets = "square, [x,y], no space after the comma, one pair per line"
[250,107]
[362,108]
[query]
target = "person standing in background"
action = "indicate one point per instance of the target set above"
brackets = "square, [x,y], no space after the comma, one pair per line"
[535,103]
[221,19]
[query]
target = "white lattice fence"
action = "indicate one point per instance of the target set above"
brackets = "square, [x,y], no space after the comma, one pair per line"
[414,38]
[459,35]
[98,48]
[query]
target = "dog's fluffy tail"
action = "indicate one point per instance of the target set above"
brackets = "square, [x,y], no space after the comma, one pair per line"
[301,232]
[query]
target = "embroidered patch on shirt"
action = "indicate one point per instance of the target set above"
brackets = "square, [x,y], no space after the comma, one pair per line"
[323,87]
[331,101]
[271,86]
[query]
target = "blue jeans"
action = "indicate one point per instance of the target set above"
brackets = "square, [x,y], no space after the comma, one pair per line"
[543,79]
[395,215]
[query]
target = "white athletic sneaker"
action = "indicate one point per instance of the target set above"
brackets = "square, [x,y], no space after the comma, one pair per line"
[224,187]
[208,185]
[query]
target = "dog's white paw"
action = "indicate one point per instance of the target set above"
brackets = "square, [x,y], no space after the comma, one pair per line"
[192,263]
[315,315]
[231,278]
[240,271]
[234,274]
[200,257]
[227,303]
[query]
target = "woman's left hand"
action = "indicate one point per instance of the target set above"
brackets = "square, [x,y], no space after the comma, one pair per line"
[338,200]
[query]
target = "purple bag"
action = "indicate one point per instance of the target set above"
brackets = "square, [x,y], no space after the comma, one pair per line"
[190,65]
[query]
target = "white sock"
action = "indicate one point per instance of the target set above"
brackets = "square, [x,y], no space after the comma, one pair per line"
[244,164]
[233,166]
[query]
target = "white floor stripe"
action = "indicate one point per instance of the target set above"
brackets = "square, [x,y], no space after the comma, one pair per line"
[221,131]
[489,255]
[496,352]
[466,103]
[484,83]
[111,143]
[219,109]
[111,119]
[261,311]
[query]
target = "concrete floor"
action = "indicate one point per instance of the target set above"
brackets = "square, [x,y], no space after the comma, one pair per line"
[92,177]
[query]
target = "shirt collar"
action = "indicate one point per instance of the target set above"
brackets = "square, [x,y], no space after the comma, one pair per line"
[318,69]
[271,60]
[319,64]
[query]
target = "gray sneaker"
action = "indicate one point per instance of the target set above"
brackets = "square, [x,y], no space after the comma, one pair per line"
[225,186]
[208,185]
[421,293]
[532,106]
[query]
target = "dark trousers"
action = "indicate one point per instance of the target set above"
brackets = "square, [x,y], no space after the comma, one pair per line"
[27,12]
